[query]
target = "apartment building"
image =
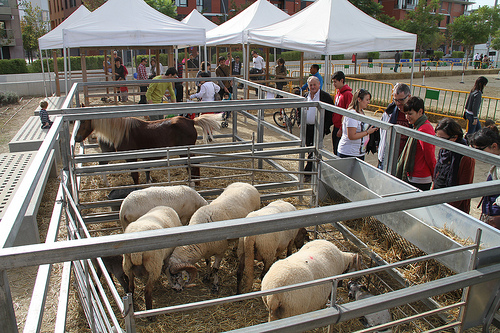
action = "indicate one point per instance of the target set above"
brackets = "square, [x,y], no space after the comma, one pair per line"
[10,33]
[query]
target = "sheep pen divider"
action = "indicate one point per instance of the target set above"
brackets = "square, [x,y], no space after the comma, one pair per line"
[375,204]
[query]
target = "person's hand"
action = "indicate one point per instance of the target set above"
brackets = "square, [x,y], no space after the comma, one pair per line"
[371,129]
[339,133]
[150,101]
[474,122]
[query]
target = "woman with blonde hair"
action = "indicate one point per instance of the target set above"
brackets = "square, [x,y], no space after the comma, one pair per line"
[356,133]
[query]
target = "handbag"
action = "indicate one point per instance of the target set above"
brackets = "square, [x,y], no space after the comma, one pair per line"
[217,97]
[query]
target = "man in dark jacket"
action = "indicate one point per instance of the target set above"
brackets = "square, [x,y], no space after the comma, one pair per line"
[394,114]
[315,95]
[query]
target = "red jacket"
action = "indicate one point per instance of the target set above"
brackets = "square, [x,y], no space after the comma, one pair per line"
[425,156]
[343,98]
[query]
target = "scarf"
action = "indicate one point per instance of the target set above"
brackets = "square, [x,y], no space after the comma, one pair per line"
[406,160]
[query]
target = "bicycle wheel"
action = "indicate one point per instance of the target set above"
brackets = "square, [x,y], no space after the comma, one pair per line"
[293,116]
[289,124]
[278,119]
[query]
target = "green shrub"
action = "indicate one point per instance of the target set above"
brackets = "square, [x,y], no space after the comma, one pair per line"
[8,97]
[13,66]
[457,54]
[374,55]
[438,54]
[407,55]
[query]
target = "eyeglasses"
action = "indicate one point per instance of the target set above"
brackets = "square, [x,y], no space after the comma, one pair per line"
[401,100]
[480,148]
[441,137]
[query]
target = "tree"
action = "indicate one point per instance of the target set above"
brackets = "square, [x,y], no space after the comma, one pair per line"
[495,42]
[424,22]
[93,4]
[369,7]
[166,7]
[32,27]
[475,28]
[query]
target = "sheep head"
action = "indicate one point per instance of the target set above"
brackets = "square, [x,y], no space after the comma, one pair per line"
[301,238]
[181,275]
[355,290]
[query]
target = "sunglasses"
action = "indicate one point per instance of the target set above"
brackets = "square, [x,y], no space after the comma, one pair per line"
[401,100]
[481,148]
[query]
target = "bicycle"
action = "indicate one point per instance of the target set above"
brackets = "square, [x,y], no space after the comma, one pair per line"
[285,121]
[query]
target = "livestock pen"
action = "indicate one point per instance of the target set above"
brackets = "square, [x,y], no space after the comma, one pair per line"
[344,196]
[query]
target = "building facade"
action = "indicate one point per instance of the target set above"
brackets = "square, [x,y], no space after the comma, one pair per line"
[61,9]
[10,33]
[219,11]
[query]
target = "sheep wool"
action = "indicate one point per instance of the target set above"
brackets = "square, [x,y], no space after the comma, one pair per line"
[183,199]
[236,201]
[160,217]
[315,260]
[266,247]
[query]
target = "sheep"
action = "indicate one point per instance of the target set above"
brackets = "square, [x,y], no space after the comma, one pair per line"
[237,200]
[149,263]
[183,199]
[266,247]
[357,292]
[315,260]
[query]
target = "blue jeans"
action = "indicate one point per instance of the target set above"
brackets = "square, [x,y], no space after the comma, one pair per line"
[472,128]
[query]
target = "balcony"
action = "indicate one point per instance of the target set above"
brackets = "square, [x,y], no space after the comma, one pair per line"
[7,37]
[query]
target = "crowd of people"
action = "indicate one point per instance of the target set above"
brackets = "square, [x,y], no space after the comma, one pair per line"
[416,159]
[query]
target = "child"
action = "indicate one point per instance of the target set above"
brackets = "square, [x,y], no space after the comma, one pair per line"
[44,116]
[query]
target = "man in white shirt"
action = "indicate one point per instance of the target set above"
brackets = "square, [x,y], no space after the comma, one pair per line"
[258,65]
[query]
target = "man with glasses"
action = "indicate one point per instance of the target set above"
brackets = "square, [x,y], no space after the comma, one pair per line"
[394,114]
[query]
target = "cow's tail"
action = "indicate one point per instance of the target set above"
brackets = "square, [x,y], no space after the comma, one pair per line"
[208,123]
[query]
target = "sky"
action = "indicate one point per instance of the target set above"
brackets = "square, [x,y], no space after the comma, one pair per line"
[483,3]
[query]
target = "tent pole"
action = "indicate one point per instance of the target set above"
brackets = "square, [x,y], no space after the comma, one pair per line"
[205,53]
[43,73]
[48,72]
[301,69]
[65,71]
[56,72]
[412,67]
[68,59]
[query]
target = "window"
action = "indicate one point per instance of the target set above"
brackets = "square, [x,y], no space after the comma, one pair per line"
[181,3]
[199,6]
[4,3]
[72,3]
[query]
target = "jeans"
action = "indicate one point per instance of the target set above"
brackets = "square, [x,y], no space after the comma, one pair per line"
[472,128]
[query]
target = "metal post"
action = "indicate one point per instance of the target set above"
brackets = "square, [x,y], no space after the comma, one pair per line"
[128,314]
[7,314]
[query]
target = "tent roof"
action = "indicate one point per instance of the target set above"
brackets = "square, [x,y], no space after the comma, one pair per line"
[195,19]
[53,39]
[234,31]
[332,27]
[130,23]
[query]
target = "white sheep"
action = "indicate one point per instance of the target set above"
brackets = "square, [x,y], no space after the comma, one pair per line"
[357,292]
[266,247]
[149,262]
[237,200]
[315,260]
[183,199]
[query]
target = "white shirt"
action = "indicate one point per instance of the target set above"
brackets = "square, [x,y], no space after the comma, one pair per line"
[311,111]
[207,92]
[258,62]
[353,147]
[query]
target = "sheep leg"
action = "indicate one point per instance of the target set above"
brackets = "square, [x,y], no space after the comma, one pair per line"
[127,269]
[267,265]
[207,276]
[123,280]
[215,273]
[148,293]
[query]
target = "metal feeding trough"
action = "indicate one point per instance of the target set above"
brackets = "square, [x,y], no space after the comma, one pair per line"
[356,180]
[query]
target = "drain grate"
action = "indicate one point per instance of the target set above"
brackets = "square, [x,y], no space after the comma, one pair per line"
[13,167]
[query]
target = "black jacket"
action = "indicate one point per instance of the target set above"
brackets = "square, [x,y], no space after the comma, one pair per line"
[328,120]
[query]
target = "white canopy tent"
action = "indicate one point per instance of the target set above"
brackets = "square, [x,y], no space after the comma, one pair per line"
[133,23]
[235,31]
[54,38]
[195,19]
[331,27]
[261,13]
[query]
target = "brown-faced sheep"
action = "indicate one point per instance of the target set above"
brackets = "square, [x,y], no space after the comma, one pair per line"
[266,247]
[149,263]
[237,200]
[315,260]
